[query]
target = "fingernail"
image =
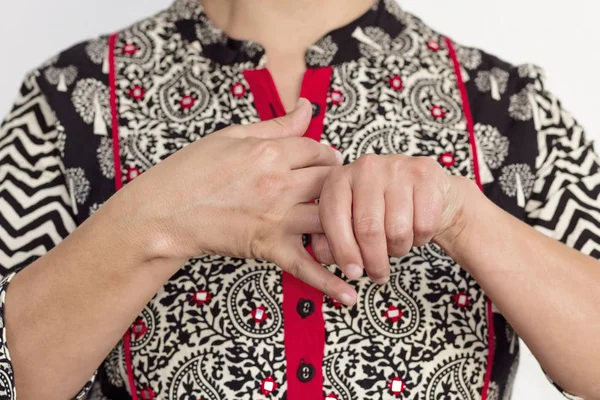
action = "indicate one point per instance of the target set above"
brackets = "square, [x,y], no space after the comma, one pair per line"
[353,271]
[339,156]
[347,299]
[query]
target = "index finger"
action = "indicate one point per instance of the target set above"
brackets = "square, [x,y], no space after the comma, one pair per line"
[295,260]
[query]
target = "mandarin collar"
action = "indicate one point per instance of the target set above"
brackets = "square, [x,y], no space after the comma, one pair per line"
[336,47]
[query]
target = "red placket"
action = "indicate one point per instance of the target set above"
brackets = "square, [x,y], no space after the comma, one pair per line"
[303,323]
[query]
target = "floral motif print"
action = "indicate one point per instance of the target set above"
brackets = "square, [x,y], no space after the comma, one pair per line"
[216,328]
[520,107]
[62,78]
[517,180]
[90,99]
[493,81]
[322,52]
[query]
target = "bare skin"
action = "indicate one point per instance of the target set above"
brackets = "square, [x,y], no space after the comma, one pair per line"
[99,278]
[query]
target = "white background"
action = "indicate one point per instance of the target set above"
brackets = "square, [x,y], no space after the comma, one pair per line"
[563,37]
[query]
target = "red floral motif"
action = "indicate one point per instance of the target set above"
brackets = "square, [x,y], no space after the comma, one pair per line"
[139,328]
[396,386]
[393,313]
[147,393]
[334,303]
[187,102]
[434,45]
[461,299]
[201,297]
[132,173]
[437,112]
[331,396]
[238,90]
[137,92]
[130,49]
[268,385]
[447,159]
[259,314]
[336,97]
[396,83]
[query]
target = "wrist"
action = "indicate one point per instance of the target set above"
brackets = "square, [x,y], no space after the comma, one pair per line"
[464,202]
[143,237]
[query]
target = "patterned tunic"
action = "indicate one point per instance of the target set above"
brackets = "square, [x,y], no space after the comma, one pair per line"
[99,114]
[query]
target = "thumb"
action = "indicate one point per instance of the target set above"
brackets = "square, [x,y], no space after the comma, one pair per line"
[294,123]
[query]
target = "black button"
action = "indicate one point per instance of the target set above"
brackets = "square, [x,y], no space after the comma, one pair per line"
[305,372]
[306,239]
[316,110]
[305,307]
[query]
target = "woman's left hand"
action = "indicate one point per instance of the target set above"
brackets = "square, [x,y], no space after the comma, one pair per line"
[384,205]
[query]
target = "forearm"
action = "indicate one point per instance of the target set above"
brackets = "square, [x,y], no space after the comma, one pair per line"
[547,291]
[67,310]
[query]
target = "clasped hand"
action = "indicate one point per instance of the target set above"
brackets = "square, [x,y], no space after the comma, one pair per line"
[248,191]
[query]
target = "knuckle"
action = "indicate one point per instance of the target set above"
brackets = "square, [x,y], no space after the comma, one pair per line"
[424,231]
[424,167]
[367,161]
[397,165]
[268,150]
[398,233]
[368,230]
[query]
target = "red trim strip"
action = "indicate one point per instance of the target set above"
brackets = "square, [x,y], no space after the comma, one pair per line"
[266,98]
[114,112]
[128,364]
[469,116]
[304,338]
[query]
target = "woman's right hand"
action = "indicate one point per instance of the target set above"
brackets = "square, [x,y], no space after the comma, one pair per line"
[244,192]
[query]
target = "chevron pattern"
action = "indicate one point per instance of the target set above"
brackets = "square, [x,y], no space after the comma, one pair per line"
[565,203]
[35,207]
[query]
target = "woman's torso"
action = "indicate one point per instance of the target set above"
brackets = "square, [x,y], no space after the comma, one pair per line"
[230,328]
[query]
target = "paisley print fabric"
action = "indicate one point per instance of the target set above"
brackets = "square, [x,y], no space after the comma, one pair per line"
[216,329]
